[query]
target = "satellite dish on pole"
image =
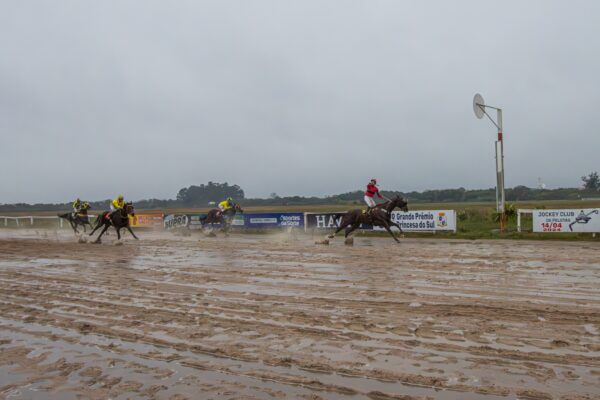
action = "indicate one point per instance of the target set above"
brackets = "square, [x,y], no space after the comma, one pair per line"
[478,106]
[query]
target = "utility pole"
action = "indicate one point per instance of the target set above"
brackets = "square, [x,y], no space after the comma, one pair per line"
[479,107]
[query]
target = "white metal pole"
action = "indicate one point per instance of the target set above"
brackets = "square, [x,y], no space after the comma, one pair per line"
[500,172]
[496,150]
[501,140]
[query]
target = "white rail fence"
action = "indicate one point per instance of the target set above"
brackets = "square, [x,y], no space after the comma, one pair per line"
[31,219]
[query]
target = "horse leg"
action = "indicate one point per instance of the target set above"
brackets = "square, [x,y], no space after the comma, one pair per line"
[94,230]
[99,223]
[73,226]
[387,228]
[351,229]
[118,233]
[132,234]
[101,233]
[398,226]
[338,230]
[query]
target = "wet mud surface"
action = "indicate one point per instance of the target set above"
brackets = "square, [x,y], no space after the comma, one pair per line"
[278,317]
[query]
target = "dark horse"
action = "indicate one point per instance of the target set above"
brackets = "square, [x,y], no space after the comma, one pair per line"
[80,218]
[118,219]
[215,216]
[379,216]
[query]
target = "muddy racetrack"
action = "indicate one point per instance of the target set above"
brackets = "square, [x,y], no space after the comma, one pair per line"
[265,316]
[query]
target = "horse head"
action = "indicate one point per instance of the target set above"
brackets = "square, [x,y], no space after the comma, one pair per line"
[239,209]
[401,203]
[128,208]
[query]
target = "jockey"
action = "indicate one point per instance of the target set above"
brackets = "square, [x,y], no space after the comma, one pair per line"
[226,205]
[372,190]
[76,206]
[85,206]
[117,203]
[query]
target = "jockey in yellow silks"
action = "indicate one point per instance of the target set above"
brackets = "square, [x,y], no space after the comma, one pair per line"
[117,203]
[226,204]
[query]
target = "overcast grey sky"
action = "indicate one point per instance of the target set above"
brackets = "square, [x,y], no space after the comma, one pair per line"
[294,97]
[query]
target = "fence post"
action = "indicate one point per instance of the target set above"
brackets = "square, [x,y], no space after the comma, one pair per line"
[518,220]
[5,221]
[17,220]
[31,219]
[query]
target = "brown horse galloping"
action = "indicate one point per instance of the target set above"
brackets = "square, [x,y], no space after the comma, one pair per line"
[225,218]
[378,216]
[118,219]
[75,219]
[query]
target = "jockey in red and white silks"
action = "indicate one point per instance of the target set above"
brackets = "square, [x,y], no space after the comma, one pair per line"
[372,190]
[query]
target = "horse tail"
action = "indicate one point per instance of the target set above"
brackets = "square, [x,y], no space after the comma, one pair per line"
[99,220]
[203,219]
[65,215]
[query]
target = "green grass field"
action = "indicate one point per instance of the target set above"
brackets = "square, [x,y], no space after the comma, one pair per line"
[475,220]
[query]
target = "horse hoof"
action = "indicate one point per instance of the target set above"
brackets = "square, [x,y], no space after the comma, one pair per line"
[330,237]
[81,240]
[96,242]
[349,241]
[211,234]
[325,242]
[119,243]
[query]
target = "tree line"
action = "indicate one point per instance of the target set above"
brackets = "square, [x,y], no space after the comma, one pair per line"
[206,195]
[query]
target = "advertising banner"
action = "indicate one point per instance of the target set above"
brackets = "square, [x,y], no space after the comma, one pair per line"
[238,221]
[426,220]
[194,221]
[173,221]
[274,220]
[567,220]
[326,220]
[153,220]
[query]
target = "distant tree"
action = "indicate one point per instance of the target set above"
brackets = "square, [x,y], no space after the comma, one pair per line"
[591,181]
[273,196]
[196,196]
[520,192]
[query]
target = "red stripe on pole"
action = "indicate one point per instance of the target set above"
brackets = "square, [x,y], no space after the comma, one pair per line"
[500,136]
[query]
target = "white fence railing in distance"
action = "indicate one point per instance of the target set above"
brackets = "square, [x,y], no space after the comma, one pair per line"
[32,218]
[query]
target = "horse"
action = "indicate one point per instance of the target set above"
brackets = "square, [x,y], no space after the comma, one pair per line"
[216,216]
[77,218]
[118,219]
[378,216]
